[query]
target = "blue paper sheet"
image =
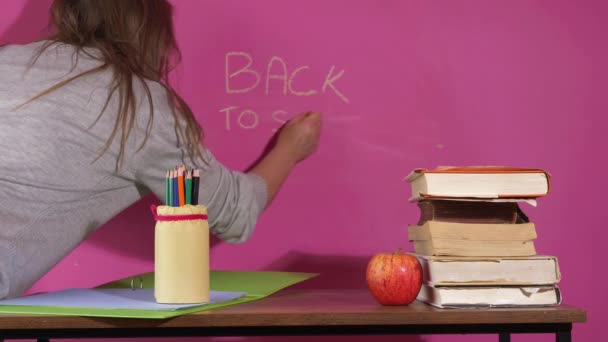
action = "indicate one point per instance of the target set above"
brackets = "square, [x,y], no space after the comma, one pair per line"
[141,299]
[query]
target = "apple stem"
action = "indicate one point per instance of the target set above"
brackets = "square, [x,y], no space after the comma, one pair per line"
[398,250]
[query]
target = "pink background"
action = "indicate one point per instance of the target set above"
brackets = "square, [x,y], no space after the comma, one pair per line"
[428,83]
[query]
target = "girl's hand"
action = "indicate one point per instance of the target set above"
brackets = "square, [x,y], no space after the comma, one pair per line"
[299,137]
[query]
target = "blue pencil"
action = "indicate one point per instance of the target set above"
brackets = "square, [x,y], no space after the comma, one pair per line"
[175,192]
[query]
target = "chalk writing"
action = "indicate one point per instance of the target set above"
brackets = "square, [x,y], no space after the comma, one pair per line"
[250,119]
[243,70]
[290,86]
[276,116]
[329,82]
[241,77]
[282,76]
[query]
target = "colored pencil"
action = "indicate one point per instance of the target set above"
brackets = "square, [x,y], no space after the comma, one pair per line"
[180,184]
[188,187]
[175,192]
[195,181]
[172,187]
[167,188]
[185,169]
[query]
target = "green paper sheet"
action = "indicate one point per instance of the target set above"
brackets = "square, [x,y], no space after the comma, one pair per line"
[257,285]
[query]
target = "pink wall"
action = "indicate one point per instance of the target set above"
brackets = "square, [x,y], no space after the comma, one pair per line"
[425,83]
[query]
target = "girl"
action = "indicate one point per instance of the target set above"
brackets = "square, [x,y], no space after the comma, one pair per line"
[89,124]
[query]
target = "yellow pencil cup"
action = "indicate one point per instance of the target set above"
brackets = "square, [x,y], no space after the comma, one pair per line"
[181,254]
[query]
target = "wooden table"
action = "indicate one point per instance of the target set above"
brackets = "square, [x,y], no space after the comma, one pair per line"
[307,312]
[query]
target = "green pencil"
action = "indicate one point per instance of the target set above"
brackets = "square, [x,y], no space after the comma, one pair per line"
[189,187]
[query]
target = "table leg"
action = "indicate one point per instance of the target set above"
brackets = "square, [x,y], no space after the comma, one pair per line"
[563,336]
[504,337]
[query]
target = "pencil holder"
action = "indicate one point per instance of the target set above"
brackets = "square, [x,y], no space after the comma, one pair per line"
[181,254]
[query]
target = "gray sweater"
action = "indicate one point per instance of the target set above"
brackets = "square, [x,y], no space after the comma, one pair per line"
[53,194]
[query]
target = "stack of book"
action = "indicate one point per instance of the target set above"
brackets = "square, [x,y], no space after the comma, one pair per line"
[474,242]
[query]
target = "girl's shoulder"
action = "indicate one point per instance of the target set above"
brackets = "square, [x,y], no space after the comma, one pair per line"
[18,51]
[43,54]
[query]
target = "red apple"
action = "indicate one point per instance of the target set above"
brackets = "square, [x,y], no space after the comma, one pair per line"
[394,279]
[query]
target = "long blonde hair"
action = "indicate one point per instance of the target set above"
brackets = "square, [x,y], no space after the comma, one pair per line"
[136,42]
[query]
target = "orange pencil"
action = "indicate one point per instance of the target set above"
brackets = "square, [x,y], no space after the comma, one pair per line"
[180,186]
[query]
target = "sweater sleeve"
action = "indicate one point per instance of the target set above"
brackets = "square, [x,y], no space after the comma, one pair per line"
[234,199]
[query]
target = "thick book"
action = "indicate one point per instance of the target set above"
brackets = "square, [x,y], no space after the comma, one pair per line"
[489,182]
[470,212]
[489,296]
[487,248]
[433,230]
[454,271]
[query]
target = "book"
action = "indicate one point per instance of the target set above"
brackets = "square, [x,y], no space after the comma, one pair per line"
[433,230]
[489,296]
[454,271]
[474,248]
[470,212]
[478,182]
